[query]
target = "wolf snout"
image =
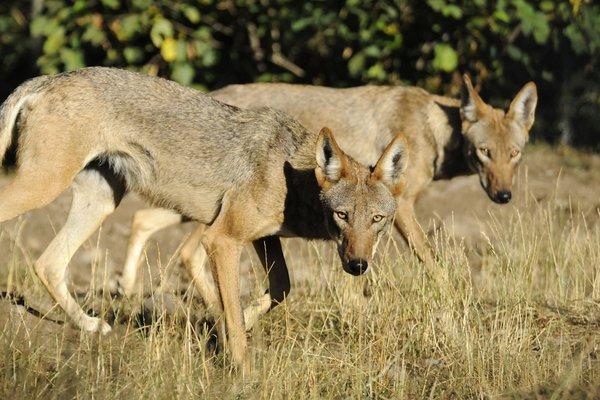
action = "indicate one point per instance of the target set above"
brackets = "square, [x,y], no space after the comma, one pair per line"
[502,196]
[357,266]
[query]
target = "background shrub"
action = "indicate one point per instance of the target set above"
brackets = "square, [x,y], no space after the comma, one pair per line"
[207,44]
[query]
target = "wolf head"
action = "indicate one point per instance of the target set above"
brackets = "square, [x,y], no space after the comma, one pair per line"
[495,139]
[360,200]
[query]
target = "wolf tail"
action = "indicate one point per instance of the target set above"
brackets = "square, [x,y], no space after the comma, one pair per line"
[10,110]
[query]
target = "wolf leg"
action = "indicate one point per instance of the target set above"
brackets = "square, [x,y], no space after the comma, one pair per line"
[194,258]
[33,187]
[145,224]
[93,200]
[224,253]
[406,222]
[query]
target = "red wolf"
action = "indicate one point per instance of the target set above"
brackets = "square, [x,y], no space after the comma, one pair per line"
[248,176]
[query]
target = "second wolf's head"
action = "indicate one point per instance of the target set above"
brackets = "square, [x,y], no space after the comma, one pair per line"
[360,201]
[495,139]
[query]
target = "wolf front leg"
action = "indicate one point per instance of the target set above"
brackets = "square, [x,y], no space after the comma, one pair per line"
[193,256]
[406,222]
[224,254]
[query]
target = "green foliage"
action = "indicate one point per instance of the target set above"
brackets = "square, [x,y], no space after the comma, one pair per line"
[14,27]
[210,43]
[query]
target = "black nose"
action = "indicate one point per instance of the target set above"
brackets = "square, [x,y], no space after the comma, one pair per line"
[357,267]
[503,196]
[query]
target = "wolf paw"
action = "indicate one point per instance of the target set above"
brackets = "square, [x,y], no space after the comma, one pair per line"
[121,287]
[95,325]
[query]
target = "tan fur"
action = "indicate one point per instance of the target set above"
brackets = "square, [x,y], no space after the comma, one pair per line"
[443,143]
[244,175]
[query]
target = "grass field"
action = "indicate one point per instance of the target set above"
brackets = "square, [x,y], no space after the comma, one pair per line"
[511,310]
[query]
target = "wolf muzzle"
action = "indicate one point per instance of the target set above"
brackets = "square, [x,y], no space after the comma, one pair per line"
[356,267]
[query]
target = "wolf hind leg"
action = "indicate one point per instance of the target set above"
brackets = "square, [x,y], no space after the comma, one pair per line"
[93,200]
[145,223]
[45,167]
[29,191]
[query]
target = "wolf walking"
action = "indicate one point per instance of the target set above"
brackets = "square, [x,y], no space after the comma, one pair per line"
[447,138]
[247,176]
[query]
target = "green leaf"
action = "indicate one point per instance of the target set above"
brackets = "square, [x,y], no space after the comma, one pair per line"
[453,11]
[502,16]
[161,29]
[112,55]
[55,41]
[533,22]
[114,4]
[93,35]
[576,38]
[372,51]
[356,64]
[39,26]
[547,6]
[301,24]
[444,58]
[376,71]
[73,59]
[183,73]
[542,31]
[130,25]
[79,6]
[133,55]
[209,57]
[48,64]
[437,5]
[477,22]
[142,4]
[514,52]
[192,14]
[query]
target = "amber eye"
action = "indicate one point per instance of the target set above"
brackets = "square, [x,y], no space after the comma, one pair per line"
[341,215]
[485,151]
[514,153]
[377,218]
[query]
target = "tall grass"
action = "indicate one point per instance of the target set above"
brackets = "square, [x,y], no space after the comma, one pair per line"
[522,321]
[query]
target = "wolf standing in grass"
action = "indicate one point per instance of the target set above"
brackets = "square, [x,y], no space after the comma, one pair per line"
[245,175]
[447,138]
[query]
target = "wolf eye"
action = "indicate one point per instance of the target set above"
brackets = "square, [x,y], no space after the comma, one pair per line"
[485,151]
[377,218]
[514,153]
[342,215]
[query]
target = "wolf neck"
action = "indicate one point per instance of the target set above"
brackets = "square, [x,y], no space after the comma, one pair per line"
[451,161]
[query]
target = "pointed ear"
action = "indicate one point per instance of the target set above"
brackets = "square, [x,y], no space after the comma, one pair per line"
[522,108]
[391,166]
[331,160]
[471,104]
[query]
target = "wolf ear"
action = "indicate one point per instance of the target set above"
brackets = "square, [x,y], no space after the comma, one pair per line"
[331,160]
[391,166]
[471,104]
[522,108]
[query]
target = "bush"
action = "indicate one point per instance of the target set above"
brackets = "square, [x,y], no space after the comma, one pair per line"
[207,44]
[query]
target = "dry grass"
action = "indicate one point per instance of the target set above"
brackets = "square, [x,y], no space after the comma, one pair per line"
[521,321]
